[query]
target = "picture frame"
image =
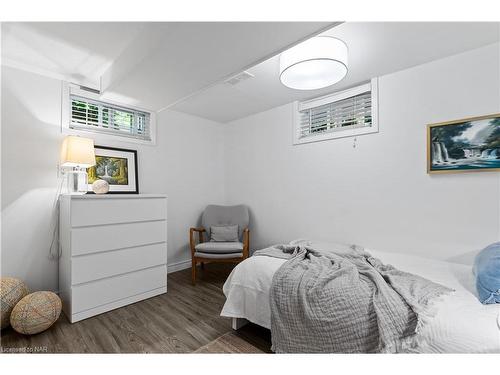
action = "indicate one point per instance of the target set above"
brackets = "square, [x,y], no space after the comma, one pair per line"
[466,145]
[117,166]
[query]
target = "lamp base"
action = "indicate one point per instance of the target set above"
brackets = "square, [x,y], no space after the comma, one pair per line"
[77,181]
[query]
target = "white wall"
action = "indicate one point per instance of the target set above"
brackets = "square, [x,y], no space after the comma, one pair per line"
[377,194]
[185,165]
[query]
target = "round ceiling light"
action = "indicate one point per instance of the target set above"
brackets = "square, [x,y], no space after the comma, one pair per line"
[316,63]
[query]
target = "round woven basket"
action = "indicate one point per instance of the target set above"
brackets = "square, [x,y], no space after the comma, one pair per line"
[36,312]
[11,290]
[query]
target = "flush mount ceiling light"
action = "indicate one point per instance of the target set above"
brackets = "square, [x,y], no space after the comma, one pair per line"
[316,63]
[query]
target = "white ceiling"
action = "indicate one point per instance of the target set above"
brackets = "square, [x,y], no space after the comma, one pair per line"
[183,66]
[151,65]
[79,51]
[375,49]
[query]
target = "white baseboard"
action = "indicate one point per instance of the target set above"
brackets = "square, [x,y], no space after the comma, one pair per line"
[179,266]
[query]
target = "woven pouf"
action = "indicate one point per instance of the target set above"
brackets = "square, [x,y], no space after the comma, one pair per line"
[12,290]
[35,313]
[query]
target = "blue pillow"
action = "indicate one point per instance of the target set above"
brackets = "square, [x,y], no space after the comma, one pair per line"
[487,272]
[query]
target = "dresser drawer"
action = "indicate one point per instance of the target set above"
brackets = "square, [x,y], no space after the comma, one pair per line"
[111,263]
[87,240]
[86,212]
[101,292]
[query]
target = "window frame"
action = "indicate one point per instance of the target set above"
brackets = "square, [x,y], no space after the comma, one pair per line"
[298,107]
[70,89]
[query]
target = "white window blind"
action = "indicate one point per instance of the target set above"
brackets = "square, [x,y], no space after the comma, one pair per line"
[93,115]
[347,113]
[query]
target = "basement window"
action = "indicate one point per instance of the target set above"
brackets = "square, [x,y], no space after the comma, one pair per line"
[88,114]
[346,113]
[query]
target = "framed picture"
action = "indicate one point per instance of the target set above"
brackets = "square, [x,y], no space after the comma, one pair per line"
[118,166]
[467,145]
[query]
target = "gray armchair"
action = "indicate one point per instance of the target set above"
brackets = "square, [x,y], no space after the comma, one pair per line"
[211,251]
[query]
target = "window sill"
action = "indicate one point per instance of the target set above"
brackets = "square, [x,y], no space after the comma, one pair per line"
[106,138]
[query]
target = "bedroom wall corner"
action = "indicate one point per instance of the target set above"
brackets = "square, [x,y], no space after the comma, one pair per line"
[377,194]
[184,164]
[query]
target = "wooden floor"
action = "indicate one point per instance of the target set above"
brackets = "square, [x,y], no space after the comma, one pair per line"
[180,321]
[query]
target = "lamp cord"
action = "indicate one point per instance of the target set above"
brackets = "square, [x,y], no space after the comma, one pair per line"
[55,210]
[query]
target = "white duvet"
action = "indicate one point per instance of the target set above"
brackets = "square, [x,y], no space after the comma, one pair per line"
[461,325]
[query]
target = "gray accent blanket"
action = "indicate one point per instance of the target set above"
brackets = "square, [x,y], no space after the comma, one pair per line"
[327,302]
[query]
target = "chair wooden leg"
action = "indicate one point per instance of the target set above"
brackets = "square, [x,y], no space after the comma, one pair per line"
[193,272]
[202,265]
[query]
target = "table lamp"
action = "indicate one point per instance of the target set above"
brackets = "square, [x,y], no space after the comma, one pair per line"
[77,154]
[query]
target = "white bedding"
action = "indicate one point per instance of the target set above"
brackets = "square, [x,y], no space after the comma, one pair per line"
[462,324]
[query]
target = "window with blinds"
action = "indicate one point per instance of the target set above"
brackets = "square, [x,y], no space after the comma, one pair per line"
[93,115]
[347,113]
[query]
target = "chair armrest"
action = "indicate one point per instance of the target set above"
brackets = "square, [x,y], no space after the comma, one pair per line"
[192,243]
[246,242]
[197,229]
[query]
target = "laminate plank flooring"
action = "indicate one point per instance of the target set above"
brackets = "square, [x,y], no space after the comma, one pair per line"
[180,321]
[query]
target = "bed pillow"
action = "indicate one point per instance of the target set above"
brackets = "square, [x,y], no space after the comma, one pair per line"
[487,273]
[328,246]
[224,233]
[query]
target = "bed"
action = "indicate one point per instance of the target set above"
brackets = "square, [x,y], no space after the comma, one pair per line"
[461,325]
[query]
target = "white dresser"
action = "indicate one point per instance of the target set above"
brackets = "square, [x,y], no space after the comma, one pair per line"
[114,251]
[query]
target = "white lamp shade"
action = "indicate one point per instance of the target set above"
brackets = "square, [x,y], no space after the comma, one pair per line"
[77,152]
[316,63]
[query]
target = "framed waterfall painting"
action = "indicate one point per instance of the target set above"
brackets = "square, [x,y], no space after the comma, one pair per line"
[467,145]
[117,166]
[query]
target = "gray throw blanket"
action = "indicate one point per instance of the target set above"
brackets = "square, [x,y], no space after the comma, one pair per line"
[326,302]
